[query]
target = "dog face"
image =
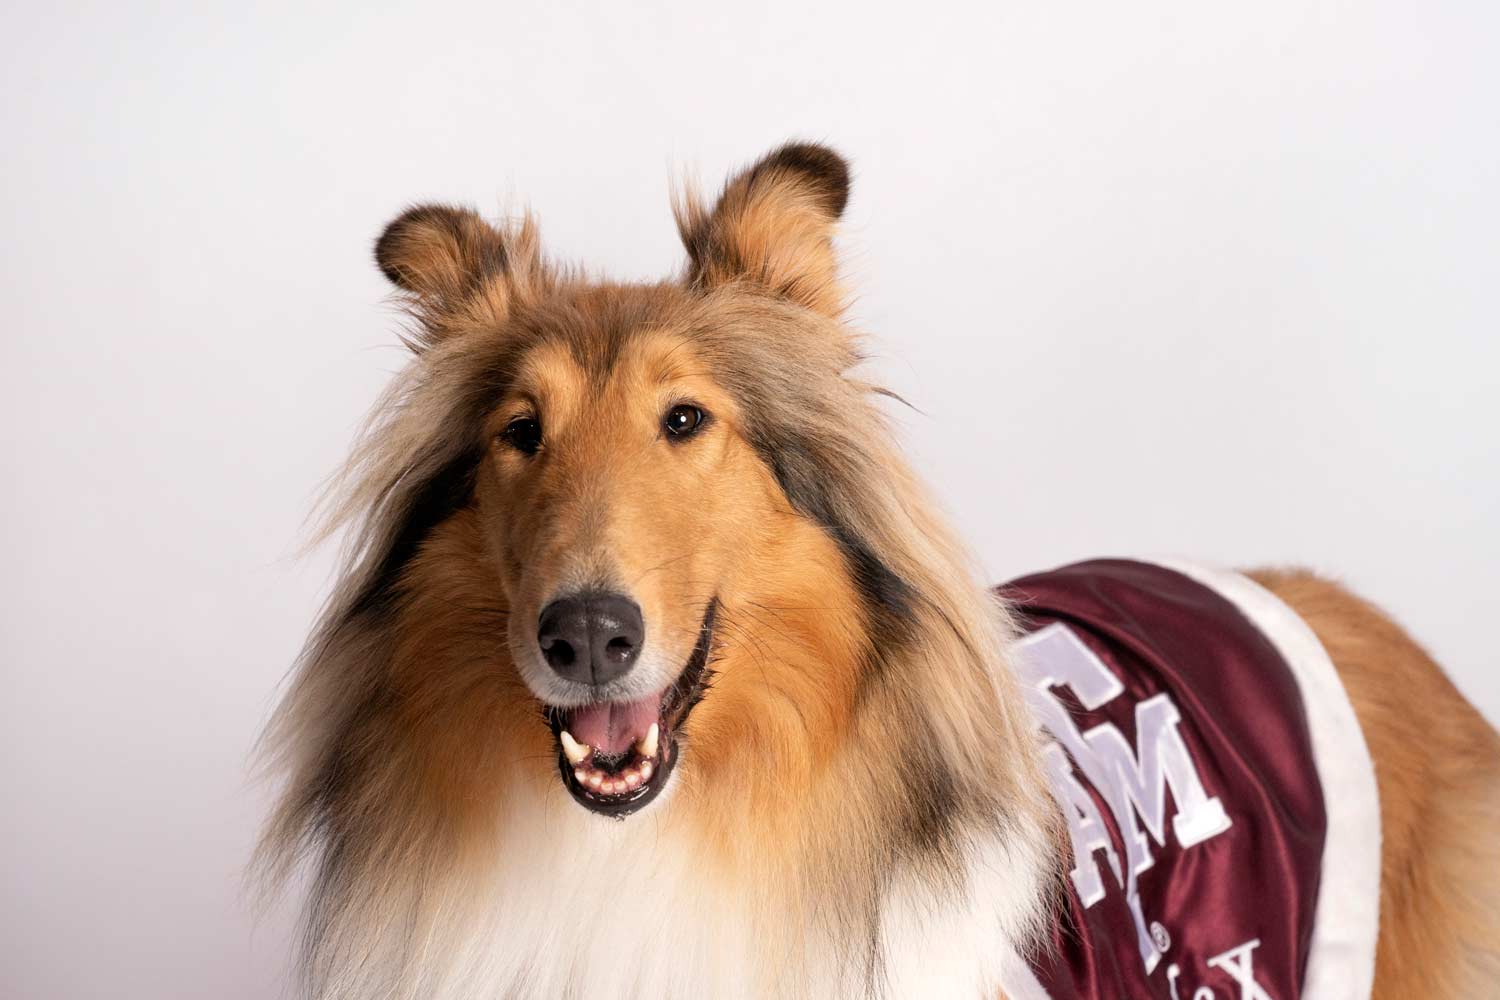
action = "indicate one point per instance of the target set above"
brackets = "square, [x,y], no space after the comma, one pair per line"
[647,464]
[615,496]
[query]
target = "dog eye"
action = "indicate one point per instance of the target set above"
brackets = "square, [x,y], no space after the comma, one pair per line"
[683,420]
[523,434]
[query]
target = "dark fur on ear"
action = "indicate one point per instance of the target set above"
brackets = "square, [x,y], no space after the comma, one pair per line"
[439,251]
[773,226]
[456,269]
[825,171]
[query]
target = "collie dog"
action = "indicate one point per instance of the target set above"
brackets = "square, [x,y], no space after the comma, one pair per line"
[654,672]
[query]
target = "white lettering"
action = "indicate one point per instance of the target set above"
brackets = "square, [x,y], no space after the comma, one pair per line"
[1239,963]
[1133,783]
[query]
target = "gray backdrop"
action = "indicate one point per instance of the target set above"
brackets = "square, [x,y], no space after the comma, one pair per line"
[1164,278]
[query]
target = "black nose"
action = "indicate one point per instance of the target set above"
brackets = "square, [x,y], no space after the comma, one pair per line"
[591,638]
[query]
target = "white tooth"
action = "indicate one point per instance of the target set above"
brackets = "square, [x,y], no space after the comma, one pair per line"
[572,749]
[594,780]
[646,769]
[647,746]
[632,779]
[581,775]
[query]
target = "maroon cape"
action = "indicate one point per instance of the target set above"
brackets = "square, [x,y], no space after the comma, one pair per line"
[1181,757]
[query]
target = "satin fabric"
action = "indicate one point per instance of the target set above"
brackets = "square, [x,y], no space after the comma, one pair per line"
[1232,916]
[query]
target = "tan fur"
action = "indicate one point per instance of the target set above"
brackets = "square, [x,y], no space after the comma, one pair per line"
[856,662]
[773,225]
[1437,765]
[409,719]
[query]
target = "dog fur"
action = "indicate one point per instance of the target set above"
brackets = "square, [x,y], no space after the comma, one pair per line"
[859,809]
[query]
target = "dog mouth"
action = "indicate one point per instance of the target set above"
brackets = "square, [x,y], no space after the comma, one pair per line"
[615,757]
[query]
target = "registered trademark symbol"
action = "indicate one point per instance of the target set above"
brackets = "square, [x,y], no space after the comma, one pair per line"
[1160,937]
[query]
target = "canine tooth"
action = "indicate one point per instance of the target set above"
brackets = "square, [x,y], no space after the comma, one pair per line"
[647,746]
[573,750]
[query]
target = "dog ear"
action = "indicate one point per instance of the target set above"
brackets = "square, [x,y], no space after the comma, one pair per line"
[773,226]
[439,255]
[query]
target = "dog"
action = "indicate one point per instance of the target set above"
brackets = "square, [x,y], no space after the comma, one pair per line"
[654,672]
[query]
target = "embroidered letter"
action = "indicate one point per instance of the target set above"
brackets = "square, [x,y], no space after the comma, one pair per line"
[1239,963]
[1132,783]
[1163,761]
[1085,827]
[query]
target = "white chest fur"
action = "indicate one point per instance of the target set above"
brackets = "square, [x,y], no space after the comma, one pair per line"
[581,906]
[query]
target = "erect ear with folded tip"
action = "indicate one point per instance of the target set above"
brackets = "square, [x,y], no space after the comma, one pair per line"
[773,227]
[456,269]
[438,251]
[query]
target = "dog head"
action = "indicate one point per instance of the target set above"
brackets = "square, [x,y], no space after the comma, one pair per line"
[655,477]
[614,544]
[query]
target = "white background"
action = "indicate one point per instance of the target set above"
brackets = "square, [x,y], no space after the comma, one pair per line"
[1201,279]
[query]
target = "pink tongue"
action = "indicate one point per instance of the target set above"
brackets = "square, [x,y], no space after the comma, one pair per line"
[614,727]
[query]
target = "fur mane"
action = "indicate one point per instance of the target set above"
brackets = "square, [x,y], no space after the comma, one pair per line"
[392,874]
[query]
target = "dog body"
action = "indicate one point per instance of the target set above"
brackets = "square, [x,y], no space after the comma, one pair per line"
[654,673]
[1220,799]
